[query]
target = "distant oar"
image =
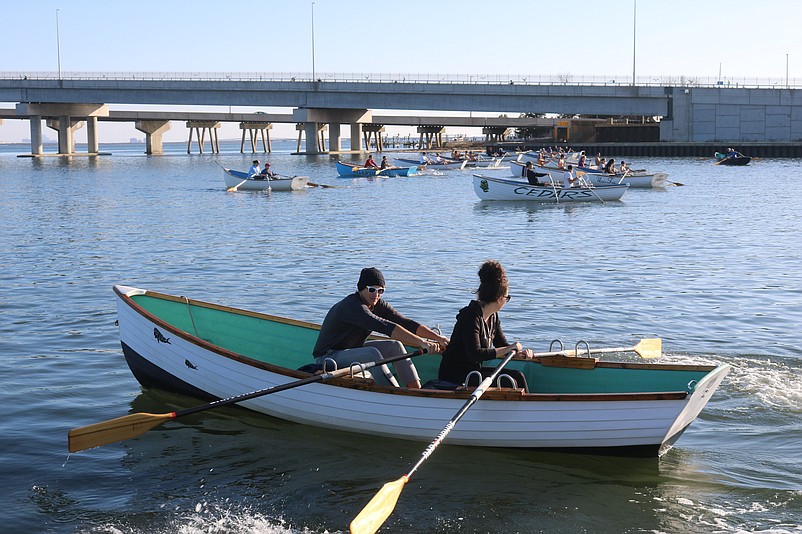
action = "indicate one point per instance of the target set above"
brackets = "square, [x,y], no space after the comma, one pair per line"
[131,426]
[376,512]
[646,348]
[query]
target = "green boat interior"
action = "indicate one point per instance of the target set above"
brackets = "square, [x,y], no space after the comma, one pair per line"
[288,343]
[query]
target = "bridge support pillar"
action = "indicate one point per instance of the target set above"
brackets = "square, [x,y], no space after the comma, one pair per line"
[431,136]
[314,123]
[153,131]
[254,130]
[66,118]
[200,128]
[66,128]
[335,143]
[36,135]
[356,136]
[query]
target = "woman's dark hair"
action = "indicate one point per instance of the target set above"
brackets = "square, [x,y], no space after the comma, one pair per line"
[492,281]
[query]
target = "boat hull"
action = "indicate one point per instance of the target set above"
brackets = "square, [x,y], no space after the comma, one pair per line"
[346,170]
[492,188]
[635,180]
[243,182]
[172,357]
[437,166]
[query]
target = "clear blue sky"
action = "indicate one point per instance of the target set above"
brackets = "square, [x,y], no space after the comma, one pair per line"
[672,38]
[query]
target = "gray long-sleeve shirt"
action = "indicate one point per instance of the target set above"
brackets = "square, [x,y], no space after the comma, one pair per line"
[349,323]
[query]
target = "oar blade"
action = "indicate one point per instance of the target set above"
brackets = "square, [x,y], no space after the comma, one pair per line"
[119,429]
[376,512]
[649,348]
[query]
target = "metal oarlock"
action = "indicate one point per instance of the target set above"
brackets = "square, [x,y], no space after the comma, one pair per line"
[359,365]
[587,346]
[505,375]
[469,375]
[326,367]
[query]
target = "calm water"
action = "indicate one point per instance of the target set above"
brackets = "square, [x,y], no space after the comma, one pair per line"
[712,267]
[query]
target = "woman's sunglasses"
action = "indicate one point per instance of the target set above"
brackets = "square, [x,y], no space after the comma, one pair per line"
[374,289]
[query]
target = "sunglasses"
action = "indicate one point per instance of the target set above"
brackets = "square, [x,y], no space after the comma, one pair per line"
[508,297]
[374,289]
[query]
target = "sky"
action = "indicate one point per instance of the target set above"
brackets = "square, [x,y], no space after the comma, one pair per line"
[739,38]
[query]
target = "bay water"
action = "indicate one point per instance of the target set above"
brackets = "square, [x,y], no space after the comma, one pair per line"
[712,266]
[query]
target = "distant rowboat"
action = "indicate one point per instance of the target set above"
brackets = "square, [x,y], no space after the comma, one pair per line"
[494,188]
[242,181]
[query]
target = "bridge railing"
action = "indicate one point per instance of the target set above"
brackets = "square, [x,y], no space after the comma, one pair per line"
[372,77]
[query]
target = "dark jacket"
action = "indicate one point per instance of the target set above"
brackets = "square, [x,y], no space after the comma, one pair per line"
[473,341]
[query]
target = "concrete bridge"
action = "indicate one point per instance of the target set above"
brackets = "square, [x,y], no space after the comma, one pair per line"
[687,113]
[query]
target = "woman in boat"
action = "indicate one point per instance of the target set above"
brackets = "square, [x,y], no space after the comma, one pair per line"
[348,324]
[384,164]
[610,167]
[477,335]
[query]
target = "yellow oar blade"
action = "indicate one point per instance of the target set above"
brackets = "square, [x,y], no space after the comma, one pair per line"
[119,429]
[649,348]
[373,516]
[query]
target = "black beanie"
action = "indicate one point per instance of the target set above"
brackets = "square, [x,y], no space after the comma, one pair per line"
[370,276]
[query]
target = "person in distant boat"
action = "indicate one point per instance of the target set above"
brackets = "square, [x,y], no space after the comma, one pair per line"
[384,164]
[348,324]
[532,176]
[582,159]
[599,159]
[561,162]
[609,168]
[541,158]
[369,163]
[439,159]
[477,336]
[568,177]
[424,159]
[602,164]
[266,172]
[623,167]
[254,170]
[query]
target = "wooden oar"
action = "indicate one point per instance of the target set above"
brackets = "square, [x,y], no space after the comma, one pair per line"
[376,512]
[131,426]
[646,348]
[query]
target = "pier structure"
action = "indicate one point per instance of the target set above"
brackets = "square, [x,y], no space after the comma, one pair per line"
[200,128]
[496,134]
[431,136]
[373,134]
[254,130]
[65,119]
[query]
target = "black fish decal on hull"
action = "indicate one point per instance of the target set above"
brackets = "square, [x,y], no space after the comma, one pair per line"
[160,338]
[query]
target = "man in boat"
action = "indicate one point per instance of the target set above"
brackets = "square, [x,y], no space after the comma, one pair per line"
[532,176]
[424,159]
[384,164]
[345,330]
[254,170]
[369,163]
[568,177]
[266,173]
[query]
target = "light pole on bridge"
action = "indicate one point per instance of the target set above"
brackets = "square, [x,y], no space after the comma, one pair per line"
[58,47]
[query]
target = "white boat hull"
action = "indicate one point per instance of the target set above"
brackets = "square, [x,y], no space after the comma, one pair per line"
[492,188]
[243,182]
[163,356]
